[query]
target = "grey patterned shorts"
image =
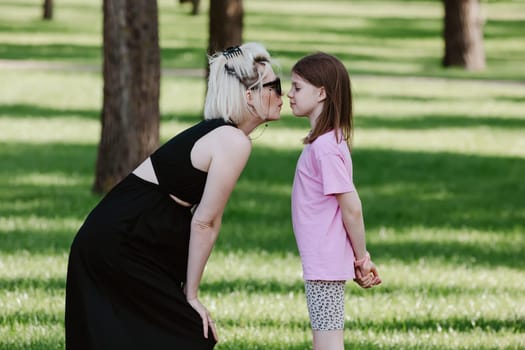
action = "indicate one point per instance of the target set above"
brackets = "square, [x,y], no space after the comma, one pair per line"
[326,304]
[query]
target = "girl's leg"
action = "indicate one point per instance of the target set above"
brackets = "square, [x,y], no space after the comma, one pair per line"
[328,340]
[326,307]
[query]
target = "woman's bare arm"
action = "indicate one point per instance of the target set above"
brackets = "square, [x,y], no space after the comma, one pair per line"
[229,157]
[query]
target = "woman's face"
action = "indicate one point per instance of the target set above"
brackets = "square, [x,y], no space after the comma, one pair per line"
[305,99]
[271,97]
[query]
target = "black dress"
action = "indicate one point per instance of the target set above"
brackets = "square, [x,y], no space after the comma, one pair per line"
[128,261]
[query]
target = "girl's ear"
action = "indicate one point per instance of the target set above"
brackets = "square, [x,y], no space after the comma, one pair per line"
[322,94]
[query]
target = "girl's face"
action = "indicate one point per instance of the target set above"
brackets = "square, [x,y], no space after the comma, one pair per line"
[305,99]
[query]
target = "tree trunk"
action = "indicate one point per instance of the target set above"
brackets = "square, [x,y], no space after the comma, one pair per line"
[226,23]
[195,7]
[48,10]
[463,34]
[130,114]
[195,4]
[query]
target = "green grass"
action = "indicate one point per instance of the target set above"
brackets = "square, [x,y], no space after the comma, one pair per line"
[439,159]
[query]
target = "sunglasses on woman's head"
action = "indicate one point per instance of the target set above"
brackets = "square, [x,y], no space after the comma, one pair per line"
[276,84]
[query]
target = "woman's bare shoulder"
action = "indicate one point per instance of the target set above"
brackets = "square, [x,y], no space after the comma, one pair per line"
[231,137]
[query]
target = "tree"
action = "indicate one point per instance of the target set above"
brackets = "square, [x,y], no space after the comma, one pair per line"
[130,113]
[48,10]
[226,24]
[194,5]
[463,34]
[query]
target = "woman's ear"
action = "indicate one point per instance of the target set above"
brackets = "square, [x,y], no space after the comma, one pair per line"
[322,94]
[249,97]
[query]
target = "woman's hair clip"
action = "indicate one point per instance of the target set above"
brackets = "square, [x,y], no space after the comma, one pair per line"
[232,51]
[230,70]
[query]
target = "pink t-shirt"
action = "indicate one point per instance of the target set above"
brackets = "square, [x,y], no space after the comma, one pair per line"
[323,169]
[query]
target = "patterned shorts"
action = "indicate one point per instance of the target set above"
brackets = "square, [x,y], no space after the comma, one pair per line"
[326,304]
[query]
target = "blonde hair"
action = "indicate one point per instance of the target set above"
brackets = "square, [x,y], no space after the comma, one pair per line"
[232,72]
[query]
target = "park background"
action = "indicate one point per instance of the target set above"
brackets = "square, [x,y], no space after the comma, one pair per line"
[439,161]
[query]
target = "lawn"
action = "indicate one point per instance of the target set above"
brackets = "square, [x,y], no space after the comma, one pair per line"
[439,161]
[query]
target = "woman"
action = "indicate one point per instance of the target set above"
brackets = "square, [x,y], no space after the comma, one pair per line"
[326,210]
[136,263]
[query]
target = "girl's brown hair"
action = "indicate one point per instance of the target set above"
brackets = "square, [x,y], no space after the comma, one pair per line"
[323,70]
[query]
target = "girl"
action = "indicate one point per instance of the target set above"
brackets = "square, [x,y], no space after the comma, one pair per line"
[326,209]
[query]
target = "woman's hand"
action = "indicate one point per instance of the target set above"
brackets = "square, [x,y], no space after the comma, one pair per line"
[207,321]
[366,275]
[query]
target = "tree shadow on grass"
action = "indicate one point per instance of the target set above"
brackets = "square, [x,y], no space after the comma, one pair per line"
[441,189]
[52,52]
[30,111]
[255,285]
[185,57]
[427,122]
[338,27]
[460,324]
[424,122]
[401,191]
[52,285]
[508,253]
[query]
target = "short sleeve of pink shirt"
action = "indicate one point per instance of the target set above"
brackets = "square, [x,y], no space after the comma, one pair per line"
[323,170]
[336,173]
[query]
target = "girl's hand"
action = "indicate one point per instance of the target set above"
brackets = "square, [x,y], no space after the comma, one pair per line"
[207,321]
[366,275]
